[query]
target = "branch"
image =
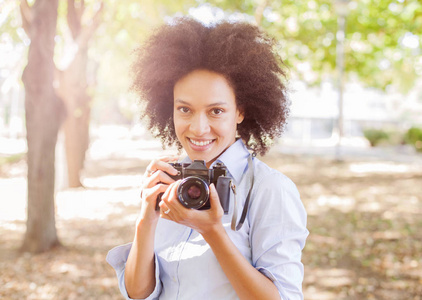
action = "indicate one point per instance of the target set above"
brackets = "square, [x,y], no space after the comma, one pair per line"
[260,11]
[27,16]
[80,8]
[89,30]
[74,18]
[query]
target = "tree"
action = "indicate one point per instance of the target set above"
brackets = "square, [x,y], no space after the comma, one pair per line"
[73,90]
[382,46]
[120,26]
[125,25]
[46,110]
[44,113]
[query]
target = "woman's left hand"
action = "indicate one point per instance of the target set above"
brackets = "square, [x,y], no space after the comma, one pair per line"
[203,221]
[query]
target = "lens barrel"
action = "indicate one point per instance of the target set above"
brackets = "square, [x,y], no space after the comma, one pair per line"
[193,192]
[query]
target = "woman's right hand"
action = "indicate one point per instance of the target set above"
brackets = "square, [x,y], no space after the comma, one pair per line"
[155,182]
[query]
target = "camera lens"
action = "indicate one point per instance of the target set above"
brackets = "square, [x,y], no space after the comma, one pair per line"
[193,192]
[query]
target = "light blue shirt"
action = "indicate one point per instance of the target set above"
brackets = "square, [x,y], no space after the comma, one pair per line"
[271,239]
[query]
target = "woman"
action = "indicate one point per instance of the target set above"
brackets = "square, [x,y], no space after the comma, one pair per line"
[215,92]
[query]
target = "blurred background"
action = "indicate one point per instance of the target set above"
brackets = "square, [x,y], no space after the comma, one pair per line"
[72,147]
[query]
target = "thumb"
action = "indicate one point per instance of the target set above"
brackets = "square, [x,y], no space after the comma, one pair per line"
[214,199]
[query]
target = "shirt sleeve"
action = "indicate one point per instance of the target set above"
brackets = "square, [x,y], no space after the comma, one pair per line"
[117,258]
[278,233]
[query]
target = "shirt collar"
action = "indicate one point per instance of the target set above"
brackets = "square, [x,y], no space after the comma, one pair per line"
[235,158]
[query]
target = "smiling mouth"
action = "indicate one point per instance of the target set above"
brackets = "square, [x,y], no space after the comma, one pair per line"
[200,143]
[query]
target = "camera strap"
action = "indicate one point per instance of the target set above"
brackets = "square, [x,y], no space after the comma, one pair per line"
[246,206]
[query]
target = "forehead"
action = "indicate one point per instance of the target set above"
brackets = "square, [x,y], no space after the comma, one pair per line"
[203,85]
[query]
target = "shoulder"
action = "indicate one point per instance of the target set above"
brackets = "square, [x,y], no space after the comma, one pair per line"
[267,177]
[274,193]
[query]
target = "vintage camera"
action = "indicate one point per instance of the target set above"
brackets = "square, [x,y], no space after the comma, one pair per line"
[193,191]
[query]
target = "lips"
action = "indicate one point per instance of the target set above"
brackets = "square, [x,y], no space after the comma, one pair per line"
[200,143]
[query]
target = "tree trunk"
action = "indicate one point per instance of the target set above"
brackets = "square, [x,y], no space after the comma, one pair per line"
[73,85]
[73,91]
[44,112]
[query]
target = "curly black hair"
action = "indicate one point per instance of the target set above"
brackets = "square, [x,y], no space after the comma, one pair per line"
[241,52]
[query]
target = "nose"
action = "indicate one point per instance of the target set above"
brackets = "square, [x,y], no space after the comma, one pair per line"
[199,125]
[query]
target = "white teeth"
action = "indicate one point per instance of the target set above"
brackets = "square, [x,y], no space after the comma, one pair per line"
[204,143]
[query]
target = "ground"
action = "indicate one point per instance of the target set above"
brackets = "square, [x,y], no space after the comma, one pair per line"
[364,218]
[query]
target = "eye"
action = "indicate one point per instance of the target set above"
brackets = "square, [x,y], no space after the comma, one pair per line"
[217,111]
[183,109]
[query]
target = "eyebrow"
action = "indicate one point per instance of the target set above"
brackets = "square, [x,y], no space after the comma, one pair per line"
[221,103]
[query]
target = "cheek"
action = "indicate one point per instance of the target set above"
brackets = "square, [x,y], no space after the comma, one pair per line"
[225,127]
[175,124]
[176,127]
[179,126]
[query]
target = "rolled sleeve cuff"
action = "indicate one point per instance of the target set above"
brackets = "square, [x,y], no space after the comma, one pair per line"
[280,288]
[274,280]
[117,258]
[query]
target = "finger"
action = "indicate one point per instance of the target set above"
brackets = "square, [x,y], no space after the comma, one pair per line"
[156,178]
[170,195]
[162,163]
[150,195]
[171,201]
[165,216]
[164,210]
[214,199]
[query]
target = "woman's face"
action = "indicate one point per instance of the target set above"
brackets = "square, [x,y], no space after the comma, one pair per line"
[205,114]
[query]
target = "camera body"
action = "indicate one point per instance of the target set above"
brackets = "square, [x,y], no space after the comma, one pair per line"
[193,191]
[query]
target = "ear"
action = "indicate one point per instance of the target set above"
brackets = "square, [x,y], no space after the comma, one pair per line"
[240,117]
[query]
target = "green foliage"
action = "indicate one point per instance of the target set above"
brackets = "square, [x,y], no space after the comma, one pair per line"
[382,46]
[124,25]
[11,159]
[10,23]
[413,137]
[375,136]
